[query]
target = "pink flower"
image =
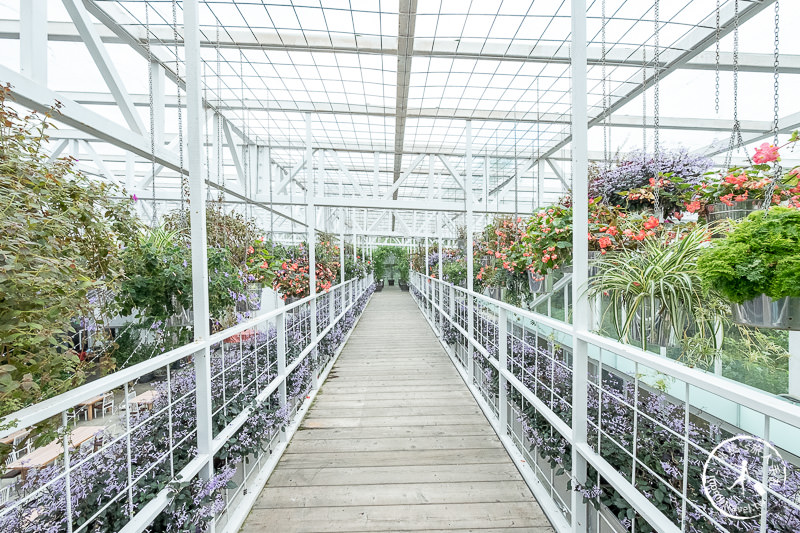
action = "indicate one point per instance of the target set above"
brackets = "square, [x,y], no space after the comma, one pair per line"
[766,153]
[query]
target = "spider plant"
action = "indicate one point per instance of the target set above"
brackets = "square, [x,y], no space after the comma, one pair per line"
[655,291]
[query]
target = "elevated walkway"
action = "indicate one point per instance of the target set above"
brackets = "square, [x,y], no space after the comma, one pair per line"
[395,442]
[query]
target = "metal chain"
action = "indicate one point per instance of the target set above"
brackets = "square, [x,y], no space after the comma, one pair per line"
[180,106]
[644,100]
[604,82]
[152,110]
[716,71]
[776,118]
[657,207]
[736,142]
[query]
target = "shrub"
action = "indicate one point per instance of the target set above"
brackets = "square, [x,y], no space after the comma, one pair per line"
[760,256]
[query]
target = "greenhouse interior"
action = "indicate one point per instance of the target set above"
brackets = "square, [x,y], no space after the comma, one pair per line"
[394,265]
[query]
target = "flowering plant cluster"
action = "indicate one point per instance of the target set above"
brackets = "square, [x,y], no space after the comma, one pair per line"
[639,170]
[729,187]
[292,277]
[499,249]
[261,263]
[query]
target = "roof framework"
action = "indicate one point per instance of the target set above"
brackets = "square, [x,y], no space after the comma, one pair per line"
[390,87]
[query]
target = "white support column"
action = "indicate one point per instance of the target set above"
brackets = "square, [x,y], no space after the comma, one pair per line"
[159,107]
[376,174]
[33,40]
[341,245]
[430,177]
[580,255]
[441,247]
[486,183]
[427,253]
[311,220]
[470,246]
[195,123]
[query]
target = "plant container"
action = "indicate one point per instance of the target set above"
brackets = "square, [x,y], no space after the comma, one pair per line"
[764,312]
[657,326]
[391,283]
[535,284]
[403,286]
[737,211]
[379,286]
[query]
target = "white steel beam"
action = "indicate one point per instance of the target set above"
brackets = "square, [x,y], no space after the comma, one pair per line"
[232,148]
[33,40]
[396,185]
[452,170]
[624,56]
[353,179]
[81,19]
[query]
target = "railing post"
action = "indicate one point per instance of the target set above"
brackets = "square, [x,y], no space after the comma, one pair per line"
[280,333]
[502,350]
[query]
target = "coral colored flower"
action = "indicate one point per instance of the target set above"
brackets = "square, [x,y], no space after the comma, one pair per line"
[693,206]
[604,242]
[766,153]
[726,199]
[250,250]
[651,223]
[741,197]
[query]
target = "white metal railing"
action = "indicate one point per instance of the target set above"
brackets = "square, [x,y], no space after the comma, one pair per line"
[264,373]
[518,365]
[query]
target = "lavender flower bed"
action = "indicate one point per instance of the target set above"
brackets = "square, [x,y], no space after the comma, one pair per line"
[163,441]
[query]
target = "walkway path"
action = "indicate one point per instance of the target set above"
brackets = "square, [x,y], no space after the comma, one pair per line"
[395,442]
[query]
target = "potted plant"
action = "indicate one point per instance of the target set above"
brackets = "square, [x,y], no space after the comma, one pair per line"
[756,267]
[654,292]
[622,182]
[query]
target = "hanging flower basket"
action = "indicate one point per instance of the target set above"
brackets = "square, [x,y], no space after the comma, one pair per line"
[764,312]
[536,283]
[736,211]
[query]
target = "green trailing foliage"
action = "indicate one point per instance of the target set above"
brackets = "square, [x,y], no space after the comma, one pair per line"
[761,255]
[60,236]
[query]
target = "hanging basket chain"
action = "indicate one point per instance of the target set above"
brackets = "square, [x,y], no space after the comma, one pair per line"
[776,117]
[154,222]
[657,207]
[180,105]
[736,141]
[716,69]
[604,82]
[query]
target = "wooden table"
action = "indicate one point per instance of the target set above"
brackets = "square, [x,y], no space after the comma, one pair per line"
[47,454]
[18,433]
[146,398]
[89,405]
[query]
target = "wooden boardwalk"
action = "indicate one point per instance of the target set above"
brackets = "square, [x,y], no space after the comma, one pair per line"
[395,442]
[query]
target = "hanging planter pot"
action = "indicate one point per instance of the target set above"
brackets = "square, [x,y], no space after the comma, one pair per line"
[594,255]
[536,284]
[495,293]
[764,312]
[657,327]
[737,211]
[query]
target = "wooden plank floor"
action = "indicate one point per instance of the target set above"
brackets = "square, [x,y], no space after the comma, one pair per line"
[395,442]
